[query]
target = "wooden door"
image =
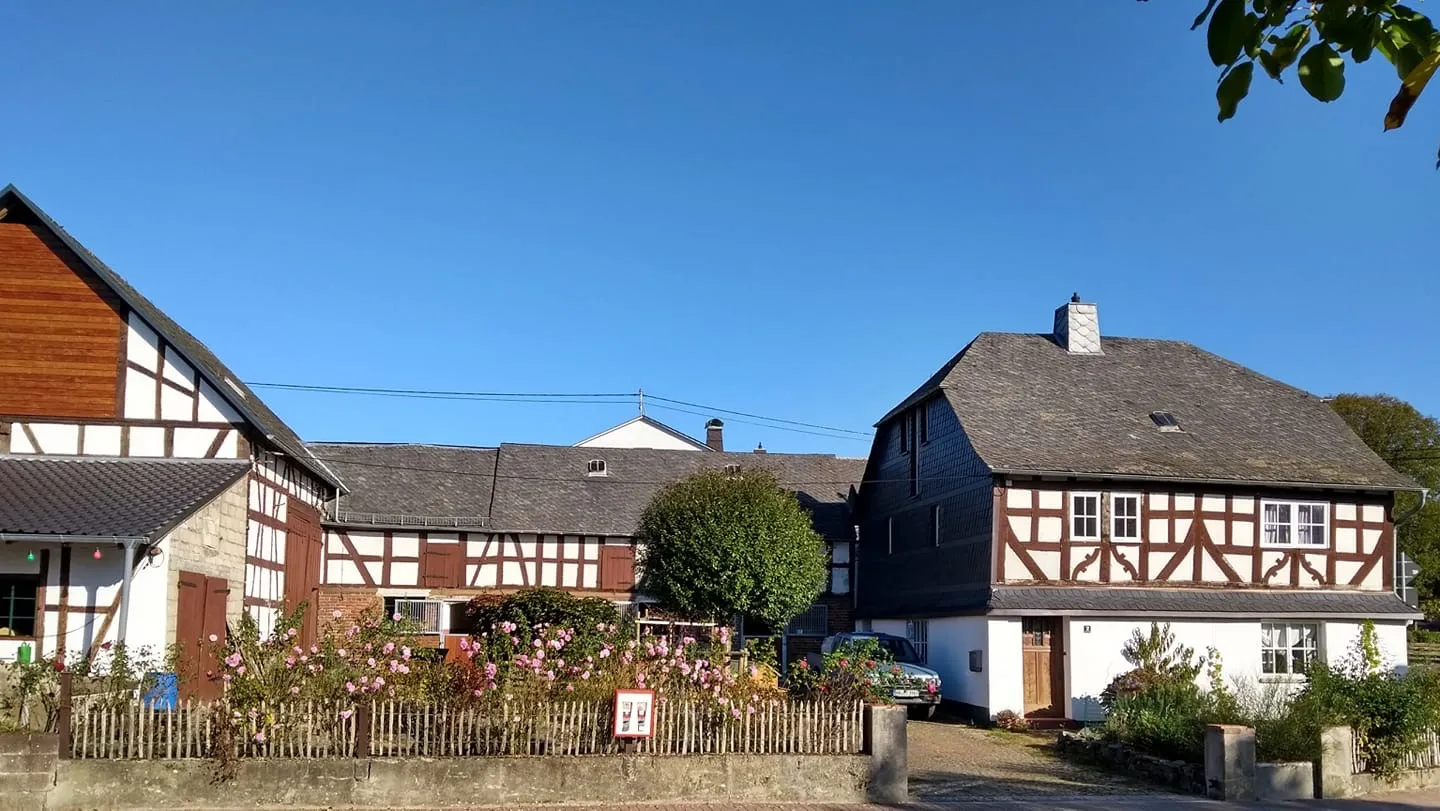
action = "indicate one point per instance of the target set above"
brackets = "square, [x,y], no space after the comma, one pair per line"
[617,568]
[200,614]
[303,542]
[1042,650]
[442,565]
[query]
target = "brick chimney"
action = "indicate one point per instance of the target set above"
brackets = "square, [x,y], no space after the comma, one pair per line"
[1077,327]
[715,435]
[760,448]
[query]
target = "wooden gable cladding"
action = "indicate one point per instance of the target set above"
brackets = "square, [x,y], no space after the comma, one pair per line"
[61,328]
[467,561]
[1199,538]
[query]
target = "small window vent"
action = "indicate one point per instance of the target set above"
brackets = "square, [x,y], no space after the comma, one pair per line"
[596,467]
[1166,421]
[732,470]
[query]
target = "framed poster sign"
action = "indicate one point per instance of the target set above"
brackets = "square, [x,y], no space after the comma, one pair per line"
[634,713]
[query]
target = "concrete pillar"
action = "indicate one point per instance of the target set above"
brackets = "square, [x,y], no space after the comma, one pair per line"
[1337,762]
[886,744]
[1229,762]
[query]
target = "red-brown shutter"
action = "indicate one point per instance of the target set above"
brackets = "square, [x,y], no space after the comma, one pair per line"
[442,565]
[200,615]
[617,568]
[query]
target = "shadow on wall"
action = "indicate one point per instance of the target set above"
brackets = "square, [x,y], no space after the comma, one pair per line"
[89,577]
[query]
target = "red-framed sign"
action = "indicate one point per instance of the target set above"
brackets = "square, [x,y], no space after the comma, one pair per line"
[634,713]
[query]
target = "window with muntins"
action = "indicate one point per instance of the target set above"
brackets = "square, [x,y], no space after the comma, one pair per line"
[1294,523]
[918,632]
[813,621]
[1085,516]
[17,603]
[425,614]
[1124,517]
[1288,648]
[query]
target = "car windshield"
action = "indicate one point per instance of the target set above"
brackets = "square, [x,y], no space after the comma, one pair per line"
[901,649]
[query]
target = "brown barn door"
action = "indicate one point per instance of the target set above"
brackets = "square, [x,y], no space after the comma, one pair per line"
[302,564]
[442,565]
[200,614]
[1042,651]
[617,568]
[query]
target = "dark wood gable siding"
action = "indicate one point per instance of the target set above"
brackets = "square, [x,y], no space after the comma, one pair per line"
[900,568]
[62,330]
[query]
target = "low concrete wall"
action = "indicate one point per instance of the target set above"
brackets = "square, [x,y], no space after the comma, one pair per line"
[386,783]
[1285,781]
[1337,756]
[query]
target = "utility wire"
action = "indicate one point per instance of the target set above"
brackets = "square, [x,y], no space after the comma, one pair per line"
[611,398]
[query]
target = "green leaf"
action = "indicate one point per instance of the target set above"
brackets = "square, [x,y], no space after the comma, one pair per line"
[1233,88]
[1227,33]
[1288,47]
[1267,61]
[1365,43]
[1322,72]
[1209,6]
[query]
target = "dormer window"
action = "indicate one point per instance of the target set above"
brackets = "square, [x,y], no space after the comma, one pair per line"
[1166,422]
[732,470]
[596,467]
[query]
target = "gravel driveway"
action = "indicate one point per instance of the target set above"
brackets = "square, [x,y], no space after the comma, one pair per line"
[956,762]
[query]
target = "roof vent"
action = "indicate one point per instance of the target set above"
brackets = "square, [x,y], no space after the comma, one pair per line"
[732,469]
[1166,421]
[596,467]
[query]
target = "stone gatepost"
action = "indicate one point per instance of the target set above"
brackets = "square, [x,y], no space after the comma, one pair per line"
[1229,762]
[1337,762]
[886,743]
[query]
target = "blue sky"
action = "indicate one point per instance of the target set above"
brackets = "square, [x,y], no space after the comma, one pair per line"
[795,209]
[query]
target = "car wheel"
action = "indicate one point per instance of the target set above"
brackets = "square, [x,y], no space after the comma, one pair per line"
[922,712]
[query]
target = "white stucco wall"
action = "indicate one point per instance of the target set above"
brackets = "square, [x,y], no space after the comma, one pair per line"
[951,640]
[637,434]
[1004,665]
[1093,656]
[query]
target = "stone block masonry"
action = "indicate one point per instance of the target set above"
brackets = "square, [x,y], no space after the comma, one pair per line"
[458,782]
[210,542]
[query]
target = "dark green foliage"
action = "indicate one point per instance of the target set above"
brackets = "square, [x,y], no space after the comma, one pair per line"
[719,545]
[1316,38]
[1167,720]
[1158,660]
[549,607]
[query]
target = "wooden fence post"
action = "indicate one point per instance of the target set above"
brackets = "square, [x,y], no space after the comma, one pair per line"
[64,715]
[362,728]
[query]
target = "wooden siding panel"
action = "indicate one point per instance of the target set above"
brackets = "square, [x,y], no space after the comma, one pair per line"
[61,327]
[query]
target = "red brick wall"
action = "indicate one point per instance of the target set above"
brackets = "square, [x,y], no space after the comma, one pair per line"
[350,602]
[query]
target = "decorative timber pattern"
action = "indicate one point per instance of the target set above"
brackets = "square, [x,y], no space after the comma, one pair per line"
[478,560]
[1194,538]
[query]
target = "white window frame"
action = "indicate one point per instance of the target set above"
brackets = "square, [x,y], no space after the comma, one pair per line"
[1294,524]
[918,632]
[422,605]
[1115,517]
[1283,649]
[1074,499]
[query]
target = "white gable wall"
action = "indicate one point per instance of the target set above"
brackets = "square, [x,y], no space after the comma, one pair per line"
[638,434]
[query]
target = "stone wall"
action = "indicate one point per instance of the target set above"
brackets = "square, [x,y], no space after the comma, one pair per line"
[1177,774]
[210,542]
[1337,777]
[458,782]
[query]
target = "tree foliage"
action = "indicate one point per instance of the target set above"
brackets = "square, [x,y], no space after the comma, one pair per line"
[1316,39]
[1409,442]
[721,544]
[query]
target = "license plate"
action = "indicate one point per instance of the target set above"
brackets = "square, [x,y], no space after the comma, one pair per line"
[907,693]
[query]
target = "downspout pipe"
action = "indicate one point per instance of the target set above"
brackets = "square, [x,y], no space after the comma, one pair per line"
[1410,514]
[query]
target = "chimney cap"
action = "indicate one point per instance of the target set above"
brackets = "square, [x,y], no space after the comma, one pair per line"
[715,422]
[1075,297]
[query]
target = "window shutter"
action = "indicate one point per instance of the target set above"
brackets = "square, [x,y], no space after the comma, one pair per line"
[617,568]
[441,565]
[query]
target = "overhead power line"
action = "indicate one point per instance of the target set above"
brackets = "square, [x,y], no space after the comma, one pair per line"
[582,398]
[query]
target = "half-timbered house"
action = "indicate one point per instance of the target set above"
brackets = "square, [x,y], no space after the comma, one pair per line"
[425,528]
[91,370]
[1043,495]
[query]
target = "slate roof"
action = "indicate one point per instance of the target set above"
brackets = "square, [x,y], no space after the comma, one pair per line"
[546,488]
[407,484]
[1029,406]
[207,362]
[1269,603]
[107,497]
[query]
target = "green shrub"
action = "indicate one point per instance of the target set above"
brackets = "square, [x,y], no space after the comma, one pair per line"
[591,618]
[1166,719]
[1157,659]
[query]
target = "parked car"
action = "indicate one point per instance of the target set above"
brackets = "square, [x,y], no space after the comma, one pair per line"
[921,690]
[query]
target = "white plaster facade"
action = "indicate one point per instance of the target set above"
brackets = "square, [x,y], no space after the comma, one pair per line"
[642,432]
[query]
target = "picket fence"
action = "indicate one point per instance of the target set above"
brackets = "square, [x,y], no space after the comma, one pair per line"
[1428,758]
[129,730]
